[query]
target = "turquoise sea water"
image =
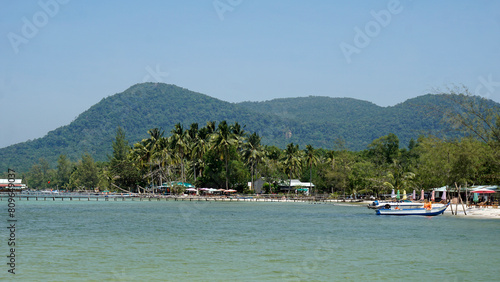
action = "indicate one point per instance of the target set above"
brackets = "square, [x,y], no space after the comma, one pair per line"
[243,241]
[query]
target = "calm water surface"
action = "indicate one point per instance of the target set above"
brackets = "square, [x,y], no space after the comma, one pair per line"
[243,241]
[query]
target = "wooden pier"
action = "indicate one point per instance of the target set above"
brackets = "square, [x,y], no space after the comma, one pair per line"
[115,198]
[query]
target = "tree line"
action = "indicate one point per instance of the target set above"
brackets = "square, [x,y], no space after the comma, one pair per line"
[222,155]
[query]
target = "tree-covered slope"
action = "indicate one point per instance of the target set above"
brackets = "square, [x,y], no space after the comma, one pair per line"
[321,120]
[318,121]
[138,109]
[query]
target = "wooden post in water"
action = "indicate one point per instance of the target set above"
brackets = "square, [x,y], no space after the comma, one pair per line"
[451,206]
[460,198]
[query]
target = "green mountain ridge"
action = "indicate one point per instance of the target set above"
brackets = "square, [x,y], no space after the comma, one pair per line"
[314,120]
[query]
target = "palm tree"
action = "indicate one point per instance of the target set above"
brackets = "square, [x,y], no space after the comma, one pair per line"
[197,146]
[143,153]
[330,158]
[152,145]
[253,154]
[271,159]
[238,133]
[178,143]
[164,158]
[292,161]
[222,141]
[311,160]
[211,127]
[397,178]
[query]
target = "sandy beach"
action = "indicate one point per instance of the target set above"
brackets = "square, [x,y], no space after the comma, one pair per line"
[476,212]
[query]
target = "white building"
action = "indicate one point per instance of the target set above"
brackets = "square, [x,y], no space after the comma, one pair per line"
[4,184]
[294,184]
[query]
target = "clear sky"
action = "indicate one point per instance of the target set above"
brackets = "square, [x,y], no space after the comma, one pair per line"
[59,57]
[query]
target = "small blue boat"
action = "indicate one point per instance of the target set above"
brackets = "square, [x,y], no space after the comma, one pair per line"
[420,211]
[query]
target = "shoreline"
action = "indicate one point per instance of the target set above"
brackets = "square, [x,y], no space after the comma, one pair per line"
[480,212]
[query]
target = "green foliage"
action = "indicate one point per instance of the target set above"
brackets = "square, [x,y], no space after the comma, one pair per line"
[122,171]
[318,121]
[86,175]
[40,174]
[64,170]
[223,154]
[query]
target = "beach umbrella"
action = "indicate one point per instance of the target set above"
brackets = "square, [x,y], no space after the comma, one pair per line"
[444,196]
[432,196]
[397,196]
[393,195]
[483,191]
[404,195]
[414,195]
[422,195]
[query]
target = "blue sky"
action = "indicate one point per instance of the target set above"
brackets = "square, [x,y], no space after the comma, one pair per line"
[59,57]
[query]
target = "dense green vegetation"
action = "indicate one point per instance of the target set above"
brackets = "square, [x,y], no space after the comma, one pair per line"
[319,121]
[136,110]
[224,155]
[312,138]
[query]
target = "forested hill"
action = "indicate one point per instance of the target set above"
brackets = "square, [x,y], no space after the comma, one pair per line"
[322,120]
[318,121]
[138,109]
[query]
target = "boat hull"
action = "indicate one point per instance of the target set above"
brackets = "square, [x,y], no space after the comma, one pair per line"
[401,205]
[419,211]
